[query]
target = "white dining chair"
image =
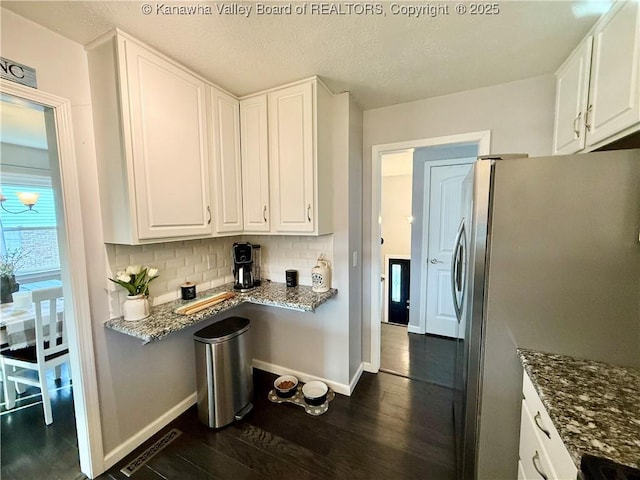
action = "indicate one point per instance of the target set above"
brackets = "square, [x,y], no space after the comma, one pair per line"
[49,351]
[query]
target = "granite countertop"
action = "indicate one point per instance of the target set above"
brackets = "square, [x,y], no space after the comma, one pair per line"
[164,321]
[594,406]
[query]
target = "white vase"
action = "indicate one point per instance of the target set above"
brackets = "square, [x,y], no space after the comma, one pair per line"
[135,307]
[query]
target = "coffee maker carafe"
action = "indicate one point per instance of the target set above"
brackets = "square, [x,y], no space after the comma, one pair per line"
[246,266]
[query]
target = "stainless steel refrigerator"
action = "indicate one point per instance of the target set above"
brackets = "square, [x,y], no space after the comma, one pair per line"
[548,258]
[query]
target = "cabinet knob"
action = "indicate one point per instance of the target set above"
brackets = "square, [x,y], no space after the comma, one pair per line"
[209,212]
[309,212]
[264,214]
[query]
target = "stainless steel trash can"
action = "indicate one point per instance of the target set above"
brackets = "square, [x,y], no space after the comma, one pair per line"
[224,376]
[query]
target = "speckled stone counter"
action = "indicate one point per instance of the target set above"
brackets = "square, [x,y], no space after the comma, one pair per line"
[594,406]
[164,321]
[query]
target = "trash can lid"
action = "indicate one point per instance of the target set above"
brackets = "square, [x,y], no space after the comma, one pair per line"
[223,330]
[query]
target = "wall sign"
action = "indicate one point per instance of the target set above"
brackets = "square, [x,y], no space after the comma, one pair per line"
[17,72]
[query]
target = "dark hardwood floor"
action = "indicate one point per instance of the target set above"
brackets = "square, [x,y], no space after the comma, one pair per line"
[29,449]
[426,358]
[390,428]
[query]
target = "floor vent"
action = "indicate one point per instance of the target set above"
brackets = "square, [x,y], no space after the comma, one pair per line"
[145,456]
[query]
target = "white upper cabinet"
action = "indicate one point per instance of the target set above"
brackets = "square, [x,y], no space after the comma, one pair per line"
[572,89]
[292,158]
[226,166]
[300,163]
[598,87]
[614,95]
[179,158]
[255,164]
[151,139]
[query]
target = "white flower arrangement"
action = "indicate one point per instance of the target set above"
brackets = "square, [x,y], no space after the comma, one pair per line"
[136,279]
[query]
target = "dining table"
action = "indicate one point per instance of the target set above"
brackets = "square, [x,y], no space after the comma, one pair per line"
[17,323]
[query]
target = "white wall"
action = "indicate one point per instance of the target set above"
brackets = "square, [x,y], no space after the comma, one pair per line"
[519,115]
[396,207]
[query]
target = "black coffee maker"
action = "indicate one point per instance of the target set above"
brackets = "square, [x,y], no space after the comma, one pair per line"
[246,266]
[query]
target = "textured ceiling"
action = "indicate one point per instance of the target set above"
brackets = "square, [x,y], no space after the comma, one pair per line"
[381,59]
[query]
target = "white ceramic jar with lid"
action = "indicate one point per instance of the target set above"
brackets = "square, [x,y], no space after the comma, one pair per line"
[321,275]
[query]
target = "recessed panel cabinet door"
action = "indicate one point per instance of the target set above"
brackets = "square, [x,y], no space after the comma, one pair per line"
[572,88]
[255,164]
[614,96]
[291,148]
[227,174]
[168,145]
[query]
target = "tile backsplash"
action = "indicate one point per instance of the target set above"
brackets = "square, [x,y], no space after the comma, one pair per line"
[280,253]
[208,262]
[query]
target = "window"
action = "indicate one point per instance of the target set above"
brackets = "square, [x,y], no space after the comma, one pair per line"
[34,232]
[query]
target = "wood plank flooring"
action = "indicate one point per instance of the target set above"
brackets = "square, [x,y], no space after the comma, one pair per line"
[29,449]
[390,428]
[426,358]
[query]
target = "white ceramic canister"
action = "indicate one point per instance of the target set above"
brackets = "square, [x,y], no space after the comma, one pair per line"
[321,275]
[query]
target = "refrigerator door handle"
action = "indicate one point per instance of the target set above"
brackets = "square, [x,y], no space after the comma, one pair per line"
[456,265]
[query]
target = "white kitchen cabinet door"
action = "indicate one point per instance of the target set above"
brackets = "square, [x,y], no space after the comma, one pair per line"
[291,158]
[255,164]
[614,96]
[541,449]
[151,143]
[572,88]
[167,109]
[227,170]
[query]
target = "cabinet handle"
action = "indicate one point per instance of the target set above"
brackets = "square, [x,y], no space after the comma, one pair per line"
[209,212]
[587,123]
[309,212]
[264,214]
[537,419]
[535,459]
[576,125]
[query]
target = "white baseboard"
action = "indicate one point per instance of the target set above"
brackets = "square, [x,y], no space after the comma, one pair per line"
[368,367]
[356,377]
[341,388]
[129,445]
[414,329]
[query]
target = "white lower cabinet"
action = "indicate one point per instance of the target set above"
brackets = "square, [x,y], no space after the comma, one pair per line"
[543,456]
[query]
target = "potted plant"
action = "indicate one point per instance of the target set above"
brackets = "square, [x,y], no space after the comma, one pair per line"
[135,279]
[9,263]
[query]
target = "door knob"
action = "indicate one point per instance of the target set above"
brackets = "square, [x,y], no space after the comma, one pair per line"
[435,260]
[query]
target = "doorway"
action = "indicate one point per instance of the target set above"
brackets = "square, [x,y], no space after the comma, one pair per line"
[438,165]
[71,270]
[397,292]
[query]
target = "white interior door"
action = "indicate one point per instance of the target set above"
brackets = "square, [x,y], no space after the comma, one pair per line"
[445,213]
